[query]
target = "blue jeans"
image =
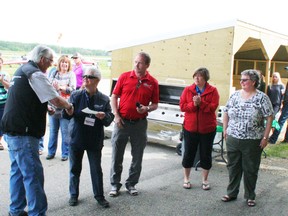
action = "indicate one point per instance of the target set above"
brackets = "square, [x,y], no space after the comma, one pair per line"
[26,176]
[41,143]
[94,157]
[2,106]
[55,124]
[283,117]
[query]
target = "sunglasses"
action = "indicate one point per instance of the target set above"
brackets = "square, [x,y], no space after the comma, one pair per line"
[244,80]
[89,77]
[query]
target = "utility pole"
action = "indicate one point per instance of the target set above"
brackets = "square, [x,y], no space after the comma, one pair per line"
[58,41]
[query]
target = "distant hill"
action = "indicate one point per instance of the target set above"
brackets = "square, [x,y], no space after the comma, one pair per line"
[27,47]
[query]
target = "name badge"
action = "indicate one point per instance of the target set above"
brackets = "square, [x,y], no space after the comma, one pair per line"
[89,121]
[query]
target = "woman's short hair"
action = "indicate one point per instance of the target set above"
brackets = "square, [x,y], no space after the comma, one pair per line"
[253,75]
[94,71]
[202,71]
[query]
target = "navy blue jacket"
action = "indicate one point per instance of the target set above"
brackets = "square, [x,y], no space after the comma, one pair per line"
[85,137]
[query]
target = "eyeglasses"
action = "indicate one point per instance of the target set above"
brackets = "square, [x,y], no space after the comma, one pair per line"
[74,57]
[244,80]
[89,77]
[51,60]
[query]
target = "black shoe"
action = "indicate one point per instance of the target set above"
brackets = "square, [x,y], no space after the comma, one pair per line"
[24,213]
[103,202]
[49,157]
[73,201]
[1,146]
[64,158]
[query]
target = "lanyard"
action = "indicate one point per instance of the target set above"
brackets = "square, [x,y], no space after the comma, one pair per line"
[87,99]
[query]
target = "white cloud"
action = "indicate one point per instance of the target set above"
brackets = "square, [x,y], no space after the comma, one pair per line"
[99,24]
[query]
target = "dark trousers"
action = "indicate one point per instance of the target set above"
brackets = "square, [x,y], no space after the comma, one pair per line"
[282,119]
[244,157]
[2,106]
[136,133]
[192,141]
[94,157]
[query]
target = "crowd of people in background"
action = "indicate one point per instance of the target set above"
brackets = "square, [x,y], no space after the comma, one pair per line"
[70,95]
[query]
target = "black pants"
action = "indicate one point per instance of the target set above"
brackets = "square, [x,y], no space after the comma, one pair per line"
[94,157]
[191,142]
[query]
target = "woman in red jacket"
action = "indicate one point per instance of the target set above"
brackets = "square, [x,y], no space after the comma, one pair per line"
[199,101]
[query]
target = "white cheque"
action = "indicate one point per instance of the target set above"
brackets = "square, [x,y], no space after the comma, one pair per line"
[89,111]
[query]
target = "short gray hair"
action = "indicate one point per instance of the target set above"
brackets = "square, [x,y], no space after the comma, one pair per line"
[253,75]
[41,51]
[94,71]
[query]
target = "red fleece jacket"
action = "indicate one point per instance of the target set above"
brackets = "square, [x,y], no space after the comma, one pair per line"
[200,119]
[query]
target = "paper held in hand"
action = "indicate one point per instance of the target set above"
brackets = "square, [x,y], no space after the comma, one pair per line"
[89,111]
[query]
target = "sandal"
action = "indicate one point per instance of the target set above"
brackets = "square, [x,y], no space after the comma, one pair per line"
[205,186]
[227,198]
[251,203]
[187,185]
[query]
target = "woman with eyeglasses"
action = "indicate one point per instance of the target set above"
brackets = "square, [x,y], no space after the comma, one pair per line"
[63,80]
[247,121]
[91,112]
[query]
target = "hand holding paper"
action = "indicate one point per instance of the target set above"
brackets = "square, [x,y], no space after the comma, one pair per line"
[89,111]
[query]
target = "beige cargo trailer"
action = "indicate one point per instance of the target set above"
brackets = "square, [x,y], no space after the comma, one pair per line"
[225,49]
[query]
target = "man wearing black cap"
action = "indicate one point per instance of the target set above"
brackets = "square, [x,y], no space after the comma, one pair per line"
[78,69]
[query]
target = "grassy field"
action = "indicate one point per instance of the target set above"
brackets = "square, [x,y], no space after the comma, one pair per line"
[102,61]
[279,150]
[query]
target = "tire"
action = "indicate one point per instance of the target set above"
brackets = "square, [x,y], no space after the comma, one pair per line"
[179,149]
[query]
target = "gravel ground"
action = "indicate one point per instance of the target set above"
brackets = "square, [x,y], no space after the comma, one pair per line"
[160,188]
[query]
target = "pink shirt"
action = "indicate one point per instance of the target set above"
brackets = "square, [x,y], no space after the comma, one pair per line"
[78,70]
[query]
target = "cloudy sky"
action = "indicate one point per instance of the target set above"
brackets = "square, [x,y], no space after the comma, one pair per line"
[106,24]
